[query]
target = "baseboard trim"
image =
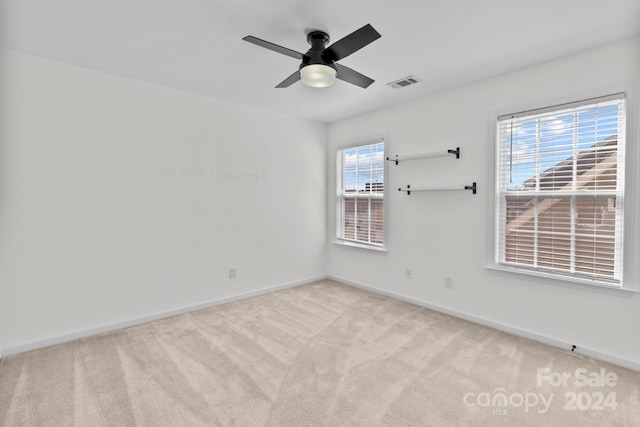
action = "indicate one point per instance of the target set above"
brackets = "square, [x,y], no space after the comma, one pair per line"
[555,342]
[47,342]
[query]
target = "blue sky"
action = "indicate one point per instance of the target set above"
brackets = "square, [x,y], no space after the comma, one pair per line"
[362,165]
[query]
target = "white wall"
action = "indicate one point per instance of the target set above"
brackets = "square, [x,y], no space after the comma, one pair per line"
[120,200]
[438,234]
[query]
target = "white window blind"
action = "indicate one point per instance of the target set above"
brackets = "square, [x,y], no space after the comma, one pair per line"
[560,189]
[360,194]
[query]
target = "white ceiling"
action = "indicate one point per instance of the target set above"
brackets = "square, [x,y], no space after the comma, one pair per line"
[197,46]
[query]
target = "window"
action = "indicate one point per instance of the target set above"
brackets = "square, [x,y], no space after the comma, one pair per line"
[360,193]
[560,190]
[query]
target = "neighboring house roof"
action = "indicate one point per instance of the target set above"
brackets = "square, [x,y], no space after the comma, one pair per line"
[560,174]
[592,162]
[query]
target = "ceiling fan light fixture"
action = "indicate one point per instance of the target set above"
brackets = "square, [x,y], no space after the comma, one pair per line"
[318,75]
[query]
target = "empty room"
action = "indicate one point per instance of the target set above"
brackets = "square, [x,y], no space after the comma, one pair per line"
[291,213]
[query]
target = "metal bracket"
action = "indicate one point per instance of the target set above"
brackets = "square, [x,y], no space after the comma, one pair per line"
[471,187]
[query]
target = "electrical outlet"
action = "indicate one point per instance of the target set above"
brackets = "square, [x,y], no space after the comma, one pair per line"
[233,273]
[408,273]
[448,282]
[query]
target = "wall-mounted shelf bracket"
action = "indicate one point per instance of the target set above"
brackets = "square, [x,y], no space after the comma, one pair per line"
[398,158]
[473,188]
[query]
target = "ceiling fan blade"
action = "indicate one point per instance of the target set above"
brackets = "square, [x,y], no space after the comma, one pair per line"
[352,76]
[290,80]
[274,47]
[351,43]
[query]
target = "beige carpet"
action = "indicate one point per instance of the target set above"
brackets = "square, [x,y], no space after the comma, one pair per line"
[323,354]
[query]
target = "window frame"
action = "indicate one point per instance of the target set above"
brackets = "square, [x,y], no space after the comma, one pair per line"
[629,207]
[339,239]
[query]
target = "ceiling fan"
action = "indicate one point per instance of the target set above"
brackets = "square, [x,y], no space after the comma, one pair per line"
[318,67]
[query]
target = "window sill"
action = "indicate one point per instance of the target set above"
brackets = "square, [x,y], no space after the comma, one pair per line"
[573,282]
[351,244]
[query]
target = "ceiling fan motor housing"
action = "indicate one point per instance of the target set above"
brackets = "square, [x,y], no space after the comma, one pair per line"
[318,41]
